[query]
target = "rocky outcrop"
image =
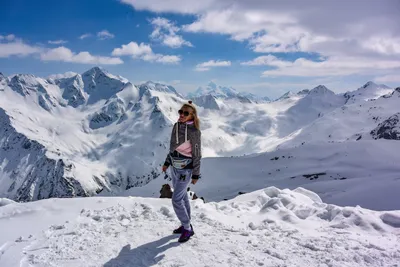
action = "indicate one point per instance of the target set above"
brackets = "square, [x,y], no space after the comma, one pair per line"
[388,129]
[72,90]
[29,174]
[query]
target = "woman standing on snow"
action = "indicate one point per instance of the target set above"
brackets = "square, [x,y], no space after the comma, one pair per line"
[184,158]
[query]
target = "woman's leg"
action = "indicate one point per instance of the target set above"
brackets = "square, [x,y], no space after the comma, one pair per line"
[186,197]
[181,182]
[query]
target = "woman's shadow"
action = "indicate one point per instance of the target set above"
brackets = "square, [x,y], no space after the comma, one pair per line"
[143,256]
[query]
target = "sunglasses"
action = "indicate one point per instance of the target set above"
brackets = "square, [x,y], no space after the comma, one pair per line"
[185,113]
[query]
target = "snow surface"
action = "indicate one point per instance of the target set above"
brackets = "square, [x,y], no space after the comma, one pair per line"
[269,227]
[97,133]
[354,173]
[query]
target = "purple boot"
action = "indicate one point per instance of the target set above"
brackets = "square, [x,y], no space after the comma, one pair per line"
[185,236]
[180,230]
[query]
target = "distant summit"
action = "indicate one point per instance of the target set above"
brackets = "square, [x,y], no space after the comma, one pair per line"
[222,92]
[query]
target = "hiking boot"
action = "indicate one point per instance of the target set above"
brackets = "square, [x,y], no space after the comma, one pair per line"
[180,230]
[185,236]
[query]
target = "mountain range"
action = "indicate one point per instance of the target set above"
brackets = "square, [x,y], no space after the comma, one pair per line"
[222,92]
[96,133]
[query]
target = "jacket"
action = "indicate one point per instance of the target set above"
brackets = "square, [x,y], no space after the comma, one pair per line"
[180,133]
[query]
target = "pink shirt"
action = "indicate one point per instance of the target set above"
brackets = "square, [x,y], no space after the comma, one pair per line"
[185,148]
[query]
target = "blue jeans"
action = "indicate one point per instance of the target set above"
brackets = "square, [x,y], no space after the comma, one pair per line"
[180,199]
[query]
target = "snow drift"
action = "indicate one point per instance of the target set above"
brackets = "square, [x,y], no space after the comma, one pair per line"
[269,227]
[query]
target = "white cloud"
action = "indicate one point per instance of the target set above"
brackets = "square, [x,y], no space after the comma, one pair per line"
[178,6]
[387,46]
[16,47]
[165,32]
[161,58]
[84,36]
[132,49]
[388,78]
[104,34]
[343,33]
[57,42]
[175,41]
[206,66]
[167,59]
[10,37]
[64,54]
[144,52]
[67,74]
[332,66]
[268,60]
[240,25]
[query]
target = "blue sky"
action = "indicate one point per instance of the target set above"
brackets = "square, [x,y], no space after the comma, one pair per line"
[263,48]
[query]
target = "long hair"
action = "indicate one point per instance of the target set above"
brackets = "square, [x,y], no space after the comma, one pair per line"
[196,120]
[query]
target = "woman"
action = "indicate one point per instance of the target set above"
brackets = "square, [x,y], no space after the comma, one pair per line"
[184,159]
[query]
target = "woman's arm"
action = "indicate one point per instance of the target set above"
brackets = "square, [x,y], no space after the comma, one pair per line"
[196,154]
[167,162]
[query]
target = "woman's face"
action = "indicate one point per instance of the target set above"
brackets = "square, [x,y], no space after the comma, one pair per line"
[185,114]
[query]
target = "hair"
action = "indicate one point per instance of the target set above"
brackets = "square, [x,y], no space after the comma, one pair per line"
[196,120]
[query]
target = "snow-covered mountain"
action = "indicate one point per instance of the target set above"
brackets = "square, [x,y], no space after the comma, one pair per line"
[224,93]
[368,91]
[255,98]
[213,89]
[286,95]
[292,95]
[97,133]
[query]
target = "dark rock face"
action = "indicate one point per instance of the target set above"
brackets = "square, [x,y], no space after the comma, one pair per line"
[73,90]
[32,174]
[388,129]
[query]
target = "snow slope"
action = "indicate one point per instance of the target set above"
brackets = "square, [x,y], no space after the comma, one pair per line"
[71,137]
[269,227]
[338,143]
[97,133]
[368,91]
[364,173]
[349,122]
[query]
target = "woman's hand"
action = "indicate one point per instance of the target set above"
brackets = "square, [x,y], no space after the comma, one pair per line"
[194,181]
[164,168]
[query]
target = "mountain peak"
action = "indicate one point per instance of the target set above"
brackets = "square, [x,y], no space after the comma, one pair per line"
[29,79]
[212,84]
[224,92]
[155,86]
[321,90]
[396,91]
[286,95]
[94,71]
[369,84]
[303,92]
